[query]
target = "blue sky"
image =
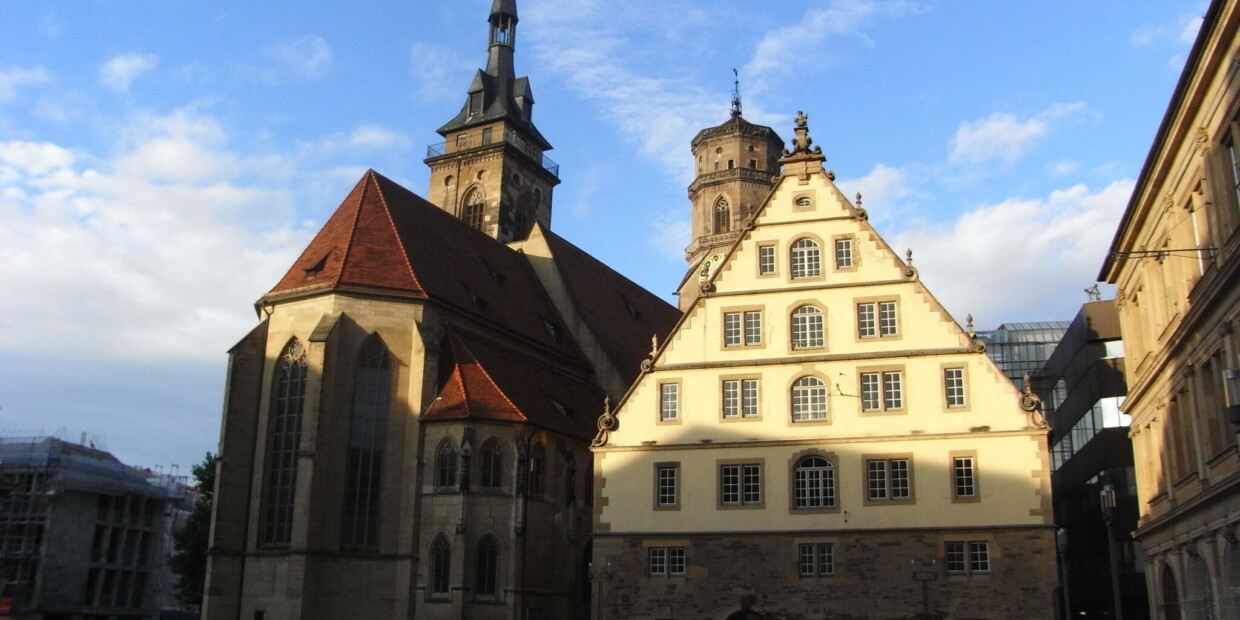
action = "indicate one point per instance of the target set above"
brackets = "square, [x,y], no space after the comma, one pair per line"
[162,162]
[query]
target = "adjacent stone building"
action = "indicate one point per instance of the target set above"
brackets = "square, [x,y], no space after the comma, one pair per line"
[1176,262]
[819,432]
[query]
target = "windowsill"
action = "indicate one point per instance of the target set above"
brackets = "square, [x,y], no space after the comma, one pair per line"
[740,506]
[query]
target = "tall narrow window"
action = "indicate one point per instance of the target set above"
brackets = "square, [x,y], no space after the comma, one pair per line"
[953,386]
[473,208]
[766,260]
[723,215]
[807,328]
[814,483]
[441,565]
[372,379]
[843,254]
[809,400]
[964,478]
[283,440]
[667,485]
[806,259]
[490,466]
[1234,158]
[669,402]
[445,465]
[486,573]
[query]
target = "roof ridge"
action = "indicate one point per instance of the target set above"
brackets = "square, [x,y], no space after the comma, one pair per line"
[457,339]
[367,180]
[387,211]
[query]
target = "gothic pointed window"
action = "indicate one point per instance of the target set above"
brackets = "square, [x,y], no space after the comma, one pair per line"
[441,566]
[486,574]
[534,480]
[723,216]
[283,440]
[490,466]
[366,436]
[445,465]
[473,208]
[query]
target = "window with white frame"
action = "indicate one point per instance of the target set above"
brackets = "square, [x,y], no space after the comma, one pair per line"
[667,485]
[889,480]
[766,260]
[814,483]
[966,557]
[669,402]
[809,400]
[742,329]
[816,559]
[807,328]
[877,319]
[806,259]
[964,477]
[882,391]
[740,398]
[953,387]
[844,253]
[666,561]
[740,484]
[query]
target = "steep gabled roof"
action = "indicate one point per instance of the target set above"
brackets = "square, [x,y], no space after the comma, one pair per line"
[385,240]
[489,382]
[622,315]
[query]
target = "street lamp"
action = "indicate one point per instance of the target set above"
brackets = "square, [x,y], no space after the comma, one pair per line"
[1107,495]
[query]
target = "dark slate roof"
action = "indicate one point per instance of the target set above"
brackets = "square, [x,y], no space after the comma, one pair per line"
[490,382]
[622,315]
[385,240]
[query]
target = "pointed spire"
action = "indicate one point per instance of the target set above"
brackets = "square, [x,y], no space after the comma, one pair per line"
[736,93]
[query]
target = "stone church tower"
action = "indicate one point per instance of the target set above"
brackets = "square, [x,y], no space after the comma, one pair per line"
[737,164]
[491,170]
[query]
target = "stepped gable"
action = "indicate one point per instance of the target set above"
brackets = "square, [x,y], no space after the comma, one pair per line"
[491,382]
[386,240]
[622,315]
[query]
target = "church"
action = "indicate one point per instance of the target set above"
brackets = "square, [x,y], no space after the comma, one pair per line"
[446,410]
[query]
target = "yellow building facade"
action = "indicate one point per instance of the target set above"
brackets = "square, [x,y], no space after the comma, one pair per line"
[817,431]
[1176,262]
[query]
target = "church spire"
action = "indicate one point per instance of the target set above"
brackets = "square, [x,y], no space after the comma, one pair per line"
[736,94]
[503,38]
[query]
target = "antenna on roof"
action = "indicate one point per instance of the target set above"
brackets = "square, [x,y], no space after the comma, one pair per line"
[736,93]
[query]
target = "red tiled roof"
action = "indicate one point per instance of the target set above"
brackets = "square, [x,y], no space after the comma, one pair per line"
[490,382]
[622,315]
[385,239]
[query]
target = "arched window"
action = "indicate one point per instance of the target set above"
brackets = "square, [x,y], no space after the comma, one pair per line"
[1231,595]
[473,208]
[807,328]
[534,480]
[723,216]
[490,466]
[809,400]
[814,482]
[283,440]
[486,574]
[1198,593]
[366,435]
[523,217]
[1170,595]
[445,465]
[441,565]
[806,259]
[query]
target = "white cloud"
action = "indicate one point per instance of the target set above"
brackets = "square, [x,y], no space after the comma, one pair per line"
[362,138]
[997,261]
[669,233]
[124,259]
[1003,136]
[308,56]
[439,73]
[1062,167]
[120,71]
[882,190]
[16,78]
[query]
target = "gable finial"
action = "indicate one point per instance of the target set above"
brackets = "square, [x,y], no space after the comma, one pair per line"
[736,93]
[908,255]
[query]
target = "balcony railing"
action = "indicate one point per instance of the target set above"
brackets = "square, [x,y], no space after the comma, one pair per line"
[469,142]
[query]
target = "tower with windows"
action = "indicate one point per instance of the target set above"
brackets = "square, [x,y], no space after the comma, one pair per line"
[819,432]
[491,170]
[735,167]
